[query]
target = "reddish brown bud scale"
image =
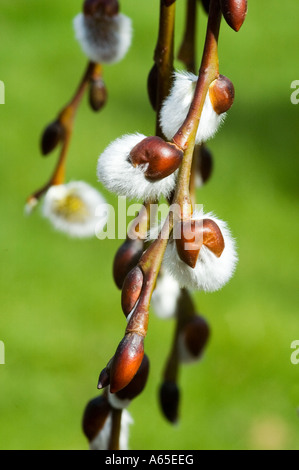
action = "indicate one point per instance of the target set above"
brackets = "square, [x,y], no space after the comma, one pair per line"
[51,137]
[191,235]
[105,7]
[170,400]
[126,259]
[131,290]
[126,362]
[160,158]
[137,385]
[97,94]
[104,379]
[222,94]
[212,237]
[234,12]
[196,335]
[196,233]
[95,416]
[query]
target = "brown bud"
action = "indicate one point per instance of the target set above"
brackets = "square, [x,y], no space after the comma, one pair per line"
[169,401]
[196,335]
[97,94]
[131,290]
[137,385]
[126,259]
[126,362]
[104,7]
[194,234]
[205,163]
[152,86]
[167,3]
[206,5]
[162,158]
[222,94]
[95,415]
[104,379]
[234,12]
[51,137]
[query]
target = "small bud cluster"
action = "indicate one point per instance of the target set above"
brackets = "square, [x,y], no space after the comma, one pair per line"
[105,35]
[98,420]
[193,250]
[198,251]
[76,208]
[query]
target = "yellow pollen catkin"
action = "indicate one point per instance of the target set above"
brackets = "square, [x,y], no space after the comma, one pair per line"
[72,208]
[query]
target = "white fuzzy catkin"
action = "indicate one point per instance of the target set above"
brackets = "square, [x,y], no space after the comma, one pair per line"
[210,273]
[119,176]
[76,209]
[104,39]
[166,295]
[176,106]
[117,403]
[101,441]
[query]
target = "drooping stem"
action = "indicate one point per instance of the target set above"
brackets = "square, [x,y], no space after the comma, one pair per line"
[141,224]
[187,52]
[66,118]
[114,443]
[164,56]
[151,261]
[185,137]
[185,311]
[150,264]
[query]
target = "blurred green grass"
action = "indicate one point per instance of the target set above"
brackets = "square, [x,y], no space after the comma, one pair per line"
[60,311]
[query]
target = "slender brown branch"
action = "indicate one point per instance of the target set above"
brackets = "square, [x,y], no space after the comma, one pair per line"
[208,72]
[164,56]
[114,443]
[151,261]
[66,118]
[185,311]
[187,52]
[185,137]
[150,264]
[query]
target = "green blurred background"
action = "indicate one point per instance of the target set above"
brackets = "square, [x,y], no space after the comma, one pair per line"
[60,311]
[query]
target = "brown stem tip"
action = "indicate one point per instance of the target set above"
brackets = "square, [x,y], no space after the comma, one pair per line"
[222,94]
[152,86]
[95,416]
[137,385]
[126,259]
[204,162]
[131,290]
[97,94]
[170,400]
[196,335]
[104,7]
[52,136]
[234,12]
[168,3]
[126,362]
